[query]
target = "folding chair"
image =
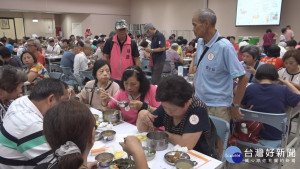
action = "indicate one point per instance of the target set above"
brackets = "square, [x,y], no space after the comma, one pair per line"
[54,67]
[146,68]
[277,120]
[223,129]
[55,75]
[70,79]
[86,74]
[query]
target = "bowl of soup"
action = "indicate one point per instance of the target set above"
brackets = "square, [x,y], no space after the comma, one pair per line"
[104,159]
[185,164]
[108,135]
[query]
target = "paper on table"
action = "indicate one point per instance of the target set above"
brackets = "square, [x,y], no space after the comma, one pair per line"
[200,158]
[97,148]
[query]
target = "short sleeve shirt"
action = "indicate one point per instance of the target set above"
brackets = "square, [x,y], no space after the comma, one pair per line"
[131,115]
[67,59]
[80,63]
[158,41]
[214,76]
[195,120]
[172,56]
[269,98]
[284,74]
[38,69]
[277,62]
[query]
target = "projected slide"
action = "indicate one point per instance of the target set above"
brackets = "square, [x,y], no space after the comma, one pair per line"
[258,12]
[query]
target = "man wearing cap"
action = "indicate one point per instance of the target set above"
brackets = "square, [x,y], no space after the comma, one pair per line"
[217,69]
[121,51]
[158,52]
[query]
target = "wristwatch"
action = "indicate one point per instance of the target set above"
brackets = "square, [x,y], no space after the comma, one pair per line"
[236,106]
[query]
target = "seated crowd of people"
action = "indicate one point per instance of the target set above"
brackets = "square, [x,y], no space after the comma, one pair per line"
[37,129]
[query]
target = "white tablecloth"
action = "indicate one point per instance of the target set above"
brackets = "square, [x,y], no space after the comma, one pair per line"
[125,129]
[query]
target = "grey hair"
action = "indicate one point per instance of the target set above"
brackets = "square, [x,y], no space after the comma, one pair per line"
[252,50]
[174,46]
[36,42]
[207,14]
[11,77]
[87,46]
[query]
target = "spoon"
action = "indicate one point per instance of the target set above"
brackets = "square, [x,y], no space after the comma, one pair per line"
[119,103]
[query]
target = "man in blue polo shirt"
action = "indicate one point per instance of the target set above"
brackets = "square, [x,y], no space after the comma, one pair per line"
[217,69]
[158,52]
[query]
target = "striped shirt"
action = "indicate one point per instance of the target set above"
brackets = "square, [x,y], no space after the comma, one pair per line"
[22,143]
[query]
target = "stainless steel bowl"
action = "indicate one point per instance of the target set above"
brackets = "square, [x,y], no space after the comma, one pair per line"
[185,163]
[123,103]
[108,135]
[111,115]
[171,160]
[149,153]
[157,140]
[104,159]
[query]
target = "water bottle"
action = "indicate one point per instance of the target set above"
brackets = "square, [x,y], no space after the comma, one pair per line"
[180,70]
[244,128]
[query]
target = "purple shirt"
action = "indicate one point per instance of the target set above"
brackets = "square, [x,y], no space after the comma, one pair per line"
[172,56]
[268,39]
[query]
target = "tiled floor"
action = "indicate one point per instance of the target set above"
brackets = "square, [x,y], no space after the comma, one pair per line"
[289,165]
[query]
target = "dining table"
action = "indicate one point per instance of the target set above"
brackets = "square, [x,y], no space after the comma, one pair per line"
[124,129]
[52,58]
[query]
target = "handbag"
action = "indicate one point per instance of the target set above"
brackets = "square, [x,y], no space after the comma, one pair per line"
[253,128]
[151,61]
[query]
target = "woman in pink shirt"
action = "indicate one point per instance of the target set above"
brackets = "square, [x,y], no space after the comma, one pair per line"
[137,90]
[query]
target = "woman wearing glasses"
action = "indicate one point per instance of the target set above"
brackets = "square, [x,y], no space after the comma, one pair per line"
[137,90]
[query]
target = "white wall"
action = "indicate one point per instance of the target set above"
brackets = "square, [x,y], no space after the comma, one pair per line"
[96,22]
[38,28]
[119,7]
[166,15]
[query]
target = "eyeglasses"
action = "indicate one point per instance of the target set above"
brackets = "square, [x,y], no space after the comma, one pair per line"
[28,45]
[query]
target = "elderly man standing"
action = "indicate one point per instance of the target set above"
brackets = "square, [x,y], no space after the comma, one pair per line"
[22,143]
[158,50]
[81,61]
[121,51]
[217,66]
[33,46]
